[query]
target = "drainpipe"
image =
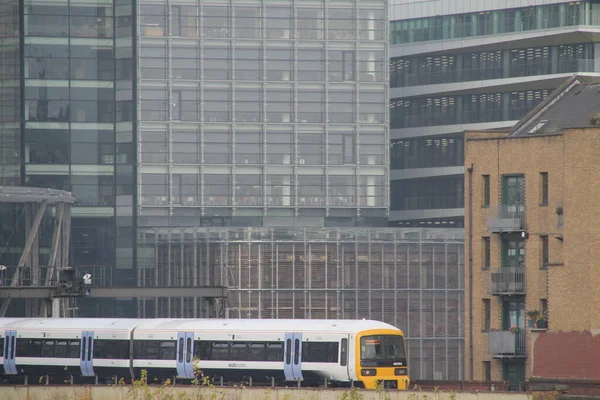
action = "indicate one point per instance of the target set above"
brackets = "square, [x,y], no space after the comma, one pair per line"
[470,170]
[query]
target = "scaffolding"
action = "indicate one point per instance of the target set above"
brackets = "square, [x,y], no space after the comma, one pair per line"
[410,278]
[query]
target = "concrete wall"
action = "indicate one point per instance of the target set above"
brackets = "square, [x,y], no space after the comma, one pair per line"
[194,393]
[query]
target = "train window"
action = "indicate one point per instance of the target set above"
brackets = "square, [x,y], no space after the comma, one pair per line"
[113,349]
[275,351]
[47,348]
[90,348]
[296,351]
[321,352]
[180,357]
[288,351]
[220,351]
[60,348]
[188,355]
[83,344]
[2,346]
[24,348]
[202,349]
[256,351]
[155,350]
[12,348]
[344,353]
[167,350]
[73,351]
[238,351]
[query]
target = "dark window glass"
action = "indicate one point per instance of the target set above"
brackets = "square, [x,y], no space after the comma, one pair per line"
[545,251]
[180,350]
[188,355]
[486,190]
[487,371]
[155,349]
[427,152]
[84,342]
[486,314]
[238,351]
[463,109]
[321,352]
[220,351]
[486,253]
[288,351]
[61,348]
[344,353]
[48,348]
[296,351]
[256,351]
[275,351]
[114,349]
[544,188]
[430,193]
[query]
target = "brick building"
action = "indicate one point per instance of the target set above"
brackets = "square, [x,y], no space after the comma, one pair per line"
[525,254]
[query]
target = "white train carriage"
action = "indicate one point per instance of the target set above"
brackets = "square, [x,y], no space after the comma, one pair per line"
[309,351]
[64,347]
[306,351]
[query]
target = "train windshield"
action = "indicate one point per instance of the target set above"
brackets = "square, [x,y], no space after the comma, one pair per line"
[382,351]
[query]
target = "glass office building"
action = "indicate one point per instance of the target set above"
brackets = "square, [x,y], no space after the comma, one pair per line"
[242,143]
[470,64]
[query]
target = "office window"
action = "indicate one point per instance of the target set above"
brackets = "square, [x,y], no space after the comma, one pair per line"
[487,371]
[487,313]
[486,190]
[545,253]
[486,253]
[544,188]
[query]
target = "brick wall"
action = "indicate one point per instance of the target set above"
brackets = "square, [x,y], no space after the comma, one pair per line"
[570,284]
[566,355]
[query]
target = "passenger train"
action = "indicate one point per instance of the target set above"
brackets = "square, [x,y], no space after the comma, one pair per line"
[306,352]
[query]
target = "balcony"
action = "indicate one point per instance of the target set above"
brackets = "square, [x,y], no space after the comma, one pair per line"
[505,344]
[506,218]
[508,281]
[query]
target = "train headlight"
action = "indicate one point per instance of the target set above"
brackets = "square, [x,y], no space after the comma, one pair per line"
[368,372]
[400,371]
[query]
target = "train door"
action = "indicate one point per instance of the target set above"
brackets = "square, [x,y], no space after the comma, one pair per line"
[86,353]
[352,357]
[9,351]
[292,357]
[185,355]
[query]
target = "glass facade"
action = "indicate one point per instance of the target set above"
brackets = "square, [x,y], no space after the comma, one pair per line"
[427,152]
[10,93]
[464,109]
[495,64]
[494,22]
[78,122]
[427,194]
[263,113]
[410,278]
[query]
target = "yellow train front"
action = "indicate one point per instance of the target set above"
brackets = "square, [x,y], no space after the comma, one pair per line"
[380,359]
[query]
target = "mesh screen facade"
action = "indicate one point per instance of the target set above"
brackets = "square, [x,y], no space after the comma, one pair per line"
[410,278]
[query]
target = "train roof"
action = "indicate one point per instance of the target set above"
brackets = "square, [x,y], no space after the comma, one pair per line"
[266,325]
[243,325]
[91,324]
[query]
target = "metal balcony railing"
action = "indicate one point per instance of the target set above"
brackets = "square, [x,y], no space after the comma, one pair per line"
[508,281]
[505,344]
[506,218]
